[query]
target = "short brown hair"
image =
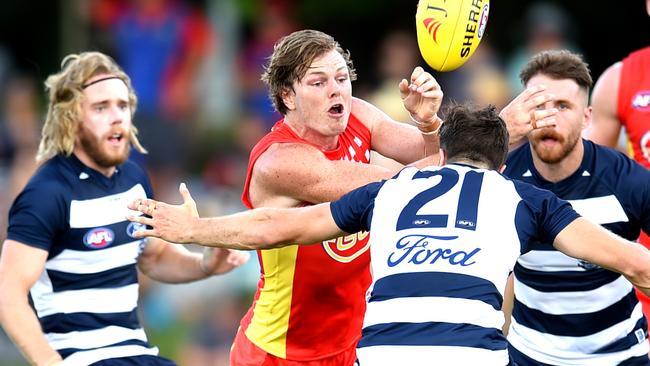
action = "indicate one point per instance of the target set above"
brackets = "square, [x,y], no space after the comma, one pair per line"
[291,58]
[475,134]
[558,64]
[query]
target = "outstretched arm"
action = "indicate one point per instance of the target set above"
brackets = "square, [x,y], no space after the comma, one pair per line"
[585,240]
[254,229]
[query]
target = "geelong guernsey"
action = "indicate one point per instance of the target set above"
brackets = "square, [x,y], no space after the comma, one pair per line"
[86,297]
[310,299]
[444,240]
[567,311]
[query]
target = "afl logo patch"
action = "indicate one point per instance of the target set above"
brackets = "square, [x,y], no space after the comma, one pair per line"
[99,238]
[133,227]
[641,101]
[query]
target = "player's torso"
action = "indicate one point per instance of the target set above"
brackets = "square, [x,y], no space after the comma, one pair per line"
[569,311]
[91,263]
[315,294]
[441,254]
[634,103]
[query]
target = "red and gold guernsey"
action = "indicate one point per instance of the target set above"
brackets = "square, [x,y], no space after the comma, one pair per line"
[633,111]
[310,300]
[634,103]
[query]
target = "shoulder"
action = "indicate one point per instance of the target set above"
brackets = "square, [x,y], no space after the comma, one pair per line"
[367,113]
[517,160]
[285,159]
[51,179]
[608,160]
[607,83]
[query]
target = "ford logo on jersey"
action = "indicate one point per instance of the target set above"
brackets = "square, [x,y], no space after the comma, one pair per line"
[133,227]
[98,238]
[415,249]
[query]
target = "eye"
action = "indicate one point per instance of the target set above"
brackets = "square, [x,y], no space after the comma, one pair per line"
[342,79]
[100,108]
[563,106]
[317,83]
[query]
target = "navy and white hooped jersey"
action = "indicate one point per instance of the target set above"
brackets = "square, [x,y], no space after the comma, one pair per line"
[572,312]
[86,297]
[444,240]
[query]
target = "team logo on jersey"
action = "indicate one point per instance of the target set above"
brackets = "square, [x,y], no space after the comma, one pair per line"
[133,227]
[641,101]
[587,266]
[427,249]
[347,248]
[99,238]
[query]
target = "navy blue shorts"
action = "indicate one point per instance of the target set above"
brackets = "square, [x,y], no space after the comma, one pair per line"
[144,360]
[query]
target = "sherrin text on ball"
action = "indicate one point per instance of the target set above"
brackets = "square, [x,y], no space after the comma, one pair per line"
[449,31]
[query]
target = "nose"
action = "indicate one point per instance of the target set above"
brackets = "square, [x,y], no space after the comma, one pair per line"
[117,115]
[335,88]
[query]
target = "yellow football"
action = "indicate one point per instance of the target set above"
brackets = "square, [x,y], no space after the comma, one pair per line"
[450,31]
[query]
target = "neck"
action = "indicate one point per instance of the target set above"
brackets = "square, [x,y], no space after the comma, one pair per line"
[87,161]
[310,135]
[474,163]
[555,172]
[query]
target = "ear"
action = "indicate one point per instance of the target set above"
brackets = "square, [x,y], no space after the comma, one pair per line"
[443,157]
[586,121]
[288,98]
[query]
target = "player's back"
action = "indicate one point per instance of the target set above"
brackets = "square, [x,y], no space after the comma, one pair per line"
[443,243]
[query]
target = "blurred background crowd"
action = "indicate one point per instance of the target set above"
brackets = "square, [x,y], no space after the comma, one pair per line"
[195,66]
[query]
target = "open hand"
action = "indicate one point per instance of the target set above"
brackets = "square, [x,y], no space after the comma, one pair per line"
[526,112]
[422,97]
[172,223]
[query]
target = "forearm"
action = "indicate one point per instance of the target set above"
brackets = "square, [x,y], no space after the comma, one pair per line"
[171,263]
[257,229]
[22,326]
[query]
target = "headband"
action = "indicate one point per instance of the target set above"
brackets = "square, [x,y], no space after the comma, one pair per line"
[98,80]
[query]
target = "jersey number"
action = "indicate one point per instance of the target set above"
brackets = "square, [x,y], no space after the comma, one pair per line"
[466,211]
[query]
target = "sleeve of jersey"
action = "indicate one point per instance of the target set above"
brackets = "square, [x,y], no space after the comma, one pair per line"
[541,215]
[36,216]
[636,186]
[353,212]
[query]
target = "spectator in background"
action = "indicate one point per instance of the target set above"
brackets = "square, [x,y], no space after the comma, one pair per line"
[162,45]
[397,55]
[273,20]
[546,27]
[19,133]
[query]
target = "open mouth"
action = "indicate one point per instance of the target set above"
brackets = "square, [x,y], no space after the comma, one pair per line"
[116,137]
[336,109]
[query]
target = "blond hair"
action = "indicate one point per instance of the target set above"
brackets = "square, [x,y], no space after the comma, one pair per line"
[65,94]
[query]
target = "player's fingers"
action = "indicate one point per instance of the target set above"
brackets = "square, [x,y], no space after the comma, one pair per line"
[145,234]
[434,94]
[429,84]
[543,113]
[141,220]
[425,80]
[546,122]
[539,100]
[416,73]
[533,120]
[185,193]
